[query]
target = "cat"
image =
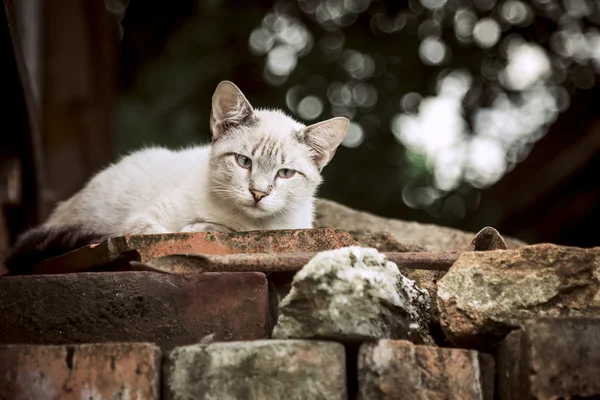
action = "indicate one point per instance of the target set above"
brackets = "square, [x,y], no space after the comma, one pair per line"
[260,171]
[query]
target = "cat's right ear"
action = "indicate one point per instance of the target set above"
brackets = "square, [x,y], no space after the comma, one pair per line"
[229,109]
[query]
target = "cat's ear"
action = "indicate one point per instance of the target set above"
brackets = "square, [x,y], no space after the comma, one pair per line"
[229,108]
[325,137]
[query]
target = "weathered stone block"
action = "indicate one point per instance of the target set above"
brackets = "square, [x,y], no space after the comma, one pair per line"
[487,294]
[432,237]
[353,294]
[551,358]
[170,310]
[399,370]
[383,241]
[264,369]
[99,371]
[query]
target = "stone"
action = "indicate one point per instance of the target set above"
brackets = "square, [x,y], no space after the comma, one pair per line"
[487,294]
[94,371]
[386,242]
[551,358]
[383,241]
[488,239]
[432,237]
[399,370]
[170,310]
[427,279]
[262,369]
[353,294]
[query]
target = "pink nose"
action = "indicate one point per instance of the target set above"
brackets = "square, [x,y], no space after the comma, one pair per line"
[258,195]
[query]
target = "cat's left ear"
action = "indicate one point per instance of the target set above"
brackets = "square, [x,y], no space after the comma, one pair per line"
[229,109]
[325,137]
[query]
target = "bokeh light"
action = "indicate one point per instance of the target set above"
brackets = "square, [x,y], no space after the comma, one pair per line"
[521,80]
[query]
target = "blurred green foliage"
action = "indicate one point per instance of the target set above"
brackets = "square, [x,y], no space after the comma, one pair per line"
[445,95]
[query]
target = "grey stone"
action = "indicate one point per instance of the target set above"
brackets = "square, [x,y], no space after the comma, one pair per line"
[383,241]
[486,294]
[263,369]
[432,237]
[427,279]
[353,294]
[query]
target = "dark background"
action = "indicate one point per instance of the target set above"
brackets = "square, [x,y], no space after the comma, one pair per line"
[465,113]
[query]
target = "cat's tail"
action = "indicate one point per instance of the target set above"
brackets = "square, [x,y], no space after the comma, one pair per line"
[40,243]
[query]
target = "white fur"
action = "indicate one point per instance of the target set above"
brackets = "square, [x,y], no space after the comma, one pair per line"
[156,190]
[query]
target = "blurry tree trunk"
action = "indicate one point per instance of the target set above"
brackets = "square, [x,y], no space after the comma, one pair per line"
[59,89]
[20,158]
[79,51]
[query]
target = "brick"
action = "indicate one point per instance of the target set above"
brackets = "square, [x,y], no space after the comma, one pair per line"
[90,371]
[265,369]
[170,310]
[149,247]
[399,370]
[551,358]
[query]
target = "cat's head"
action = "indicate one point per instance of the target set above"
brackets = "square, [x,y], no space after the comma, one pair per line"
[264,163]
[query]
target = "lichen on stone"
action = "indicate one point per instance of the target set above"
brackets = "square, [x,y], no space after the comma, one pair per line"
[351,294]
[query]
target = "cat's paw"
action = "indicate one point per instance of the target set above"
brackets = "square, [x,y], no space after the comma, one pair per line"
[206,227]
[141,225]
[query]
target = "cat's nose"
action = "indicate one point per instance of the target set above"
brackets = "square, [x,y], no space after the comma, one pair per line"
[258,195]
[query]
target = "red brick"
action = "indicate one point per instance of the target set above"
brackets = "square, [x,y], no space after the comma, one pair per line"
[399,370]
[94,371]
[170,310]
[551,358]
[152,246]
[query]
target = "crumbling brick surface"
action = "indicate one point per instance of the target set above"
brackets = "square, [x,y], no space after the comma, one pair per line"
[212,325]
[275,241]
[99,371]
[551,359]
[399,370]
[273,369]
[148,247]
[170,310]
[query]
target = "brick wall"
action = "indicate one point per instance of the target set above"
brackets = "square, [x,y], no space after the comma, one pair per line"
[162,331]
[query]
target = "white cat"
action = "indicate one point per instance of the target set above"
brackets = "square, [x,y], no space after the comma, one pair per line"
[261,171]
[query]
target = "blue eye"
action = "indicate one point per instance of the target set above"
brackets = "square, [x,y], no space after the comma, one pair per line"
[286,173]
[243,161]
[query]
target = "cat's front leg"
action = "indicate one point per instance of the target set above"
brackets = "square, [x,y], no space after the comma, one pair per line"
[141,225]
[206,227]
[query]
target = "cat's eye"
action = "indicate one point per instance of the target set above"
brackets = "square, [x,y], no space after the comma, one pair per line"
[243,161]
[286,173]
